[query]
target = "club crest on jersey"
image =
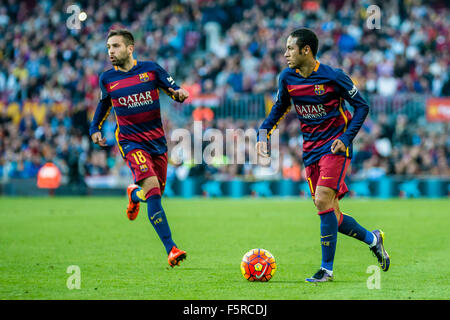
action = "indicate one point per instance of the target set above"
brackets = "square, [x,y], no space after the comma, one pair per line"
[319,89]
[143,168]
[144,77]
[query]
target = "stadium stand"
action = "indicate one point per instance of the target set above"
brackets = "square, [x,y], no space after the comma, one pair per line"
[228,55]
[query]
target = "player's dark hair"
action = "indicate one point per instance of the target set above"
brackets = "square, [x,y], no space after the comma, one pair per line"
[306,37]
[127,36]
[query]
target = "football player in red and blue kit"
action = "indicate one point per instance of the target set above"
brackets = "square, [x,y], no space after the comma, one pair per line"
[131,89]
[317,92]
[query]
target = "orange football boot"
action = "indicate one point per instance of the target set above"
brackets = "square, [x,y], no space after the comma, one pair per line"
[133,207]
[176,256]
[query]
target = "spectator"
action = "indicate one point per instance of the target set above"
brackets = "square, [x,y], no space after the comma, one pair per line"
[49,75]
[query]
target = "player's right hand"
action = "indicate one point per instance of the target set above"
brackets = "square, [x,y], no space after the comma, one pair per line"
[337,146]
[261,149]
[179,95]
[97,139]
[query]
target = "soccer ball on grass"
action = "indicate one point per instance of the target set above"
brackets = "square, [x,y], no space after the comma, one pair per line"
[258,265]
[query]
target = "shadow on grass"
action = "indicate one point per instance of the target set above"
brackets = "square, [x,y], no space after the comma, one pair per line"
[187,268]
[287,281]
[271,281]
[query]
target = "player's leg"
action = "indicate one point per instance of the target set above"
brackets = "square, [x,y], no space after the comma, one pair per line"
[330,185]
[350,227]
[156,214]
[324,201]
[375,239]
[140,169]
[323,198]
[149,173]
[134,191]
[142,166]
[159,165]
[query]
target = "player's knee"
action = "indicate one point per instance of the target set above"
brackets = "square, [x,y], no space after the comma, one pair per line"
[322,204]
[151,186]
[324,200]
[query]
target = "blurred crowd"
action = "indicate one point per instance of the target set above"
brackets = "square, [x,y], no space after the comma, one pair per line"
[386,145]
[49,71]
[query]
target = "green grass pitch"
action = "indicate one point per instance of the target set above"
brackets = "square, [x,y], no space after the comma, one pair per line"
[120,259]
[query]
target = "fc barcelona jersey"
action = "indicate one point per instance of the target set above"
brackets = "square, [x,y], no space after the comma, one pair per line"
[319,103]
[134,97]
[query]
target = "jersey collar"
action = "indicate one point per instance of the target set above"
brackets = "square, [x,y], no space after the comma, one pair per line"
[316,67]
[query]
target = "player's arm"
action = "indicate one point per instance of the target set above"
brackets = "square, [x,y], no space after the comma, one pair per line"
[168,85]
[351,94]
[279,110]
[101,114]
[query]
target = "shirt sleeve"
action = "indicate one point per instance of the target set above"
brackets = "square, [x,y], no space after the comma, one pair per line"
[351,94]
[103,109]
[165,81]
[279,110]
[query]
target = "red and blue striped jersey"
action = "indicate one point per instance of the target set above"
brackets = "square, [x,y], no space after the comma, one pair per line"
[134,95]
[319,103]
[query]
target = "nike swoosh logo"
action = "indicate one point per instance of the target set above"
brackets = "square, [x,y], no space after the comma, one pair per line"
[262,273]
[326,236]
[151,218]
[291,90]
[113,85]
[325,178]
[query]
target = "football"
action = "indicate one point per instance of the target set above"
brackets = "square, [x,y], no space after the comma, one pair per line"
[258,265]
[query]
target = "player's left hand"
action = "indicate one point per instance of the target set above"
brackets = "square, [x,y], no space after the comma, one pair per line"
[338,146]
[179,95]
